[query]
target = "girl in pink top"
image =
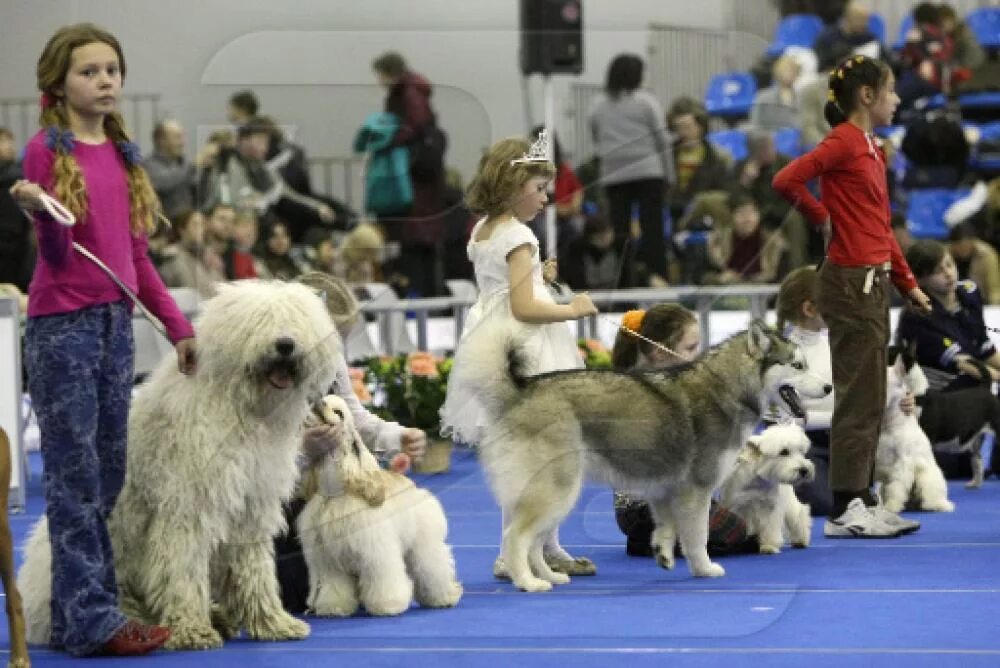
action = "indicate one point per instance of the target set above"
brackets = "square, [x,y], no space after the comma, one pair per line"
[78,340]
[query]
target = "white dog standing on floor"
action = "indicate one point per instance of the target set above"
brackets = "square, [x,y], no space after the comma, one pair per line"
[371,537]
[904,463]
[760,487]
[211,458]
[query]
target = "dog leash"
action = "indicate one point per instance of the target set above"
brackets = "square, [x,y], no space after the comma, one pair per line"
[66,218]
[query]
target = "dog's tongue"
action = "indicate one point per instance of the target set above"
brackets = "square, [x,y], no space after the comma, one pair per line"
[791,397]
[280,379]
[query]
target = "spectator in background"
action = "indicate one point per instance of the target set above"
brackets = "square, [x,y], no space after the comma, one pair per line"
[967,52]
[850,34]
[275,253]
[777,105]
[813,96]
[219,228]
[239,259]
[242,107]
[743,252]
[591,261]
[17,241]
[928,58]
[635,167]
[975,260]
[173,178]
[699,165]
[361,254]
[322,252]
[754,175]
[188,262]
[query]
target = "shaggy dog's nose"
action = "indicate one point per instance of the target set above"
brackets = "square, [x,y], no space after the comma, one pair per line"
[828,388]
[803,472]
[285,346]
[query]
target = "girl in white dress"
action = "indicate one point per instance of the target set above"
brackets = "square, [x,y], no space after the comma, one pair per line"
[509,188]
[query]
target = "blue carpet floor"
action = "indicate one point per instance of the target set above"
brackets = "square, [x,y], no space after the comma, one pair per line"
[929,599]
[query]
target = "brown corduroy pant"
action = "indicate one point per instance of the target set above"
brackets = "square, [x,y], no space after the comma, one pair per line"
[858,323]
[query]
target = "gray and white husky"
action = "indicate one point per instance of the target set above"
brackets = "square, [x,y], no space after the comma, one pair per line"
[668,436]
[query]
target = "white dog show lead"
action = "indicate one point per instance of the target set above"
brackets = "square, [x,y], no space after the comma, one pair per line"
[65,217]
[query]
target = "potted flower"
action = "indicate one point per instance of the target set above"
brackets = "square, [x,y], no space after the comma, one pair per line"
[594,354]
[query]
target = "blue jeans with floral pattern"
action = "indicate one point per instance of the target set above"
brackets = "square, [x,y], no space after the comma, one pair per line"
[80,380]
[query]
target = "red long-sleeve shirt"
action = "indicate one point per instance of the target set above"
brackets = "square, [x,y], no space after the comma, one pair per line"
[855,197]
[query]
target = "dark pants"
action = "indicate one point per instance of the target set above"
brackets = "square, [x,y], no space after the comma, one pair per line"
[859,333]
[652,252]
[80,380]
[290,562]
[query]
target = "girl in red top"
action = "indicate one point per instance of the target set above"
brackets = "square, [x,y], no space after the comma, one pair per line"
[862,256]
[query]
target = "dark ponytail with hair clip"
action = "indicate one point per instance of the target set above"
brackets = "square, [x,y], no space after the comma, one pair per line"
[846,80]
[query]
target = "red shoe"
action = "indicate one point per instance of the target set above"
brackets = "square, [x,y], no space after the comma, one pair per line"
[136,638]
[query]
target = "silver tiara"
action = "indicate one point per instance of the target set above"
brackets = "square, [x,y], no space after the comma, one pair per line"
[539,151]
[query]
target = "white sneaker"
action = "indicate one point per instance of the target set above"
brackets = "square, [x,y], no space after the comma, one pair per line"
[858,521]
[904,525]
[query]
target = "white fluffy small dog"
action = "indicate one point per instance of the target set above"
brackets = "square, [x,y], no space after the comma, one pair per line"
[370,536]
[760,487]
[904,462]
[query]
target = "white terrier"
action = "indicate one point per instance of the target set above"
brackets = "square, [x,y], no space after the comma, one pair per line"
[370,537]
[760,487]
[904,463]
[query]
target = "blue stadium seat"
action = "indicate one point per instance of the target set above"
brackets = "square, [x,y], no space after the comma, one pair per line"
[904,27]
[733,141]
[925,213]
[730,95]
[877,25]
[788,141]
[984,100]
[795,30]
[985,24]
[988,132]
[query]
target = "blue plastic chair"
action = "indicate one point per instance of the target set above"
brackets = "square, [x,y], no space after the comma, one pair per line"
[733,141]
[991,162]
[904,27]
[730,95]
[877,26]
[925,213]
[788,141]
[985,24]
[984,100]
[795,30]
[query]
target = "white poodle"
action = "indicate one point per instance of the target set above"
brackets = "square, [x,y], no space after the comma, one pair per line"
[370,536]
[760,487]
[211,458]
[904,462]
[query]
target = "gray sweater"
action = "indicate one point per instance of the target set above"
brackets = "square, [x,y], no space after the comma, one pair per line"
[630,139]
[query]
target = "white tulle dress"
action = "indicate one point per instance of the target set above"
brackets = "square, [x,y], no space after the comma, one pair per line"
[546,347]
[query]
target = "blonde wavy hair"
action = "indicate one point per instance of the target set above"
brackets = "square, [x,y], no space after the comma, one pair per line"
[497,181]
[68,183]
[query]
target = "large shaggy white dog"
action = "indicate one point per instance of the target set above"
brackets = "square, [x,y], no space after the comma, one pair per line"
[211,458]
[760,487]
[371,537]
[904,462]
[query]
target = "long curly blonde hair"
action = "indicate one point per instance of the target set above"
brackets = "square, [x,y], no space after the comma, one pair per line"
[67,179]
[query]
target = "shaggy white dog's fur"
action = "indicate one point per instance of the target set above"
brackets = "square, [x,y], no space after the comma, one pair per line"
[211,458]
[760,487]
[370,536]
[904,462]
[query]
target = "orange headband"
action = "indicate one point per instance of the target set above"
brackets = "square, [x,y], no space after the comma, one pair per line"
[632,320]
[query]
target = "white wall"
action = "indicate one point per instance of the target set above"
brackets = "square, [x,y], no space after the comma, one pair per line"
[309,60]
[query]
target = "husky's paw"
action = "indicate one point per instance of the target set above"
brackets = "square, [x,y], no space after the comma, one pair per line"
[534,585]
[770,549]
[664,558]
[193,637]
[710,570]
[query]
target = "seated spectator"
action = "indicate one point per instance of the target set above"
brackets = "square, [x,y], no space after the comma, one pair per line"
[698,165]
[591,262]
[321,251]
[968,53]
[850,34]
[754,175]
[955,331]
[709,211]
[362,254]
[980,208]
[813,96]
[976,261]
[275,253]
[777,105]
[743,252]
[187,262]
[239,259]
[242,106]
[219,228]
[17,238]
[173,178]
[928,58]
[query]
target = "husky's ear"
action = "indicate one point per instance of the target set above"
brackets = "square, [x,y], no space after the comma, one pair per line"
[758,338]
